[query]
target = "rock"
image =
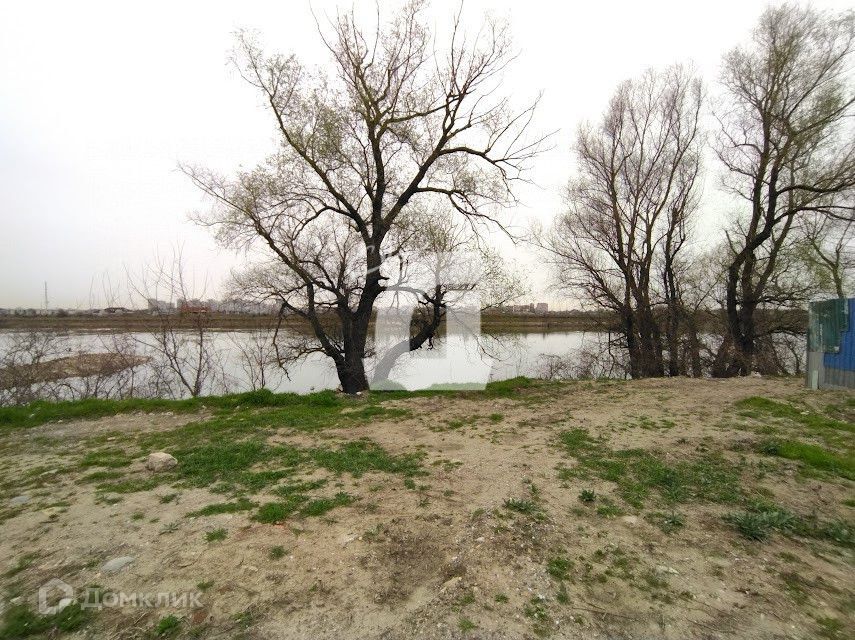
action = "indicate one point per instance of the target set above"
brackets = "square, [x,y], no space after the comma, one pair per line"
[665,569]
[347,538]
[452,583]
[117,564]
[160,461]
[630,520]
[19,500]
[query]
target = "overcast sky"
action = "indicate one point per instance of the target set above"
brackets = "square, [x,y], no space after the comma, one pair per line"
[100,101]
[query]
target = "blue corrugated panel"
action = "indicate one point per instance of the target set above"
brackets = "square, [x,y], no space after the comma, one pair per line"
[844,359]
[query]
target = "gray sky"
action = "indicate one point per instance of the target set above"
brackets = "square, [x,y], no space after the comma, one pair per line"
[100,100]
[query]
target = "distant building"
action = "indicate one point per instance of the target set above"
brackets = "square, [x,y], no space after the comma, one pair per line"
[541,307]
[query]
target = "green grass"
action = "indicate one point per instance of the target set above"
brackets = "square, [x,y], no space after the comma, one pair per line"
[760,520]
[167,627]
[587,495]
[101,476]
[320,506]
[20,622]
[638,473]
[559,567]
[110,458]
[466,625]
[24,562]
[276,512]
[811,455]
[361,456]
[277,552]
[303,410]
[40,412]
[667,522]
[756,407]
[217,535]
[242,504]
[521,505]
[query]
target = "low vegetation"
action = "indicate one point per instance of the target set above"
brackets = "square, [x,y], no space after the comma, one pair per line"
[532,491]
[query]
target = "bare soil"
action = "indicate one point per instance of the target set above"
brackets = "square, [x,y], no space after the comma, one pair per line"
[441,555]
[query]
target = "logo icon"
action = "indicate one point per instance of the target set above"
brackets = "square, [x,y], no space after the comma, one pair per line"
[48,592]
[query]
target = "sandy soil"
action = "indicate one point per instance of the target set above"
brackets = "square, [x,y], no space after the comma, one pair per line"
[446,559]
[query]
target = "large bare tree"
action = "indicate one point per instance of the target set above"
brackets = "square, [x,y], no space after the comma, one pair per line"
[621,242]
[402,120]
[788,147]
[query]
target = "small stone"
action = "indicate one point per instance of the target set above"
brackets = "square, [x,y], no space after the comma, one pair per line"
[117,564]
[160,461]
[665,569]
[480,539]
[630,520]
[19,500]
[452,583]
[347,538]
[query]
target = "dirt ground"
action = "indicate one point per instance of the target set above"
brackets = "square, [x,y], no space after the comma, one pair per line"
[502,534]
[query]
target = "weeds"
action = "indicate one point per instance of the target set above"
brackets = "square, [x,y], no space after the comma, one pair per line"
[761,520]
[168,627]
[637,472]
[217,535]
[587,495]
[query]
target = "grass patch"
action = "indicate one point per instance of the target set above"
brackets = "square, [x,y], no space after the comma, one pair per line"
[242,504]
[587,495]
[667,522]
[526,507]
[559,567]
[638,472]
[756,407]
[20,622]
[811,455]
[760,520]
[101,476]
[132,485]
[24,562]
[217,535]
[320,506]
[110,458]
[40,412]
[167,627]
[466,625]
[361,456]
[276,512]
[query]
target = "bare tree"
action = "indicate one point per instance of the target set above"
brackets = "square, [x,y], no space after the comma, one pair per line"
[256,357]
[620,244]
[185,358]
[396,125]
[829,251]
[787,144]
